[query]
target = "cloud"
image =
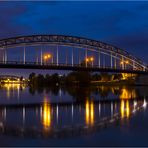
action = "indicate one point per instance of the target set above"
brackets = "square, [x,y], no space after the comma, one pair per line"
[121,23]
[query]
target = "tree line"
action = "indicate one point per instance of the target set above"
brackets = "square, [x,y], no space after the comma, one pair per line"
[73,78]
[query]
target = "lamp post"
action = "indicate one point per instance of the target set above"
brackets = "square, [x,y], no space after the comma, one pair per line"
[124,63]
[89,59]
[47,57]
[92,60]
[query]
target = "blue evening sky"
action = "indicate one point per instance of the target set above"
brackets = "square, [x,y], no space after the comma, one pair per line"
[123,24]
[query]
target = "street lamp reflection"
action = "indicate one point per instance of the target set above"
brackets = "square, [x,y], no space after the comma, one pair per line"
[127,94]
[124,108]
[89,113]
[127,109]
[46,115]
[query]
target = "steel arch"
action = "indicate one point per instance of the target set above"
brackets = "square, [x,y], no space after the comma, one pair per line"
[68,40]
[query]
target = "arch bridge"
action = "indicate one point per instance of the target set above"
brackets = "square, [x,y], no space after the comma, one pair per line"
[67,53]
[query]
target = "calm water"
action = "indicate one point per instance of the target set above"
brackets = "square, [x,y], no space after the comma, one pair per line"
[94,116]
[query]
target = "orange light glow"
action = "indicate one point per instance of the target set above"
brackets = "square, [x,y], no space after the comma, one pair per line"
[45,57]
[127,94]
[46,115]
[121,62]
[127,108]
[49,55]
[122,109]
[92,59]
[89,113]
[126,62]
[87,59]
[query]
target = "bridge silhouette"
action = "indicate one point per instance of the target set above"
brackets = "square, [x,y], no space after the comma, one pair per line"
[61,52]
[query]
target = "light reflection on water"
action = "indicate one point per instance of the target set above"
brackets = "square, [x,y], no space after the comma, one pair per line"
[72,115]
[125,108]
[46,115]
[89,112]
[59,117]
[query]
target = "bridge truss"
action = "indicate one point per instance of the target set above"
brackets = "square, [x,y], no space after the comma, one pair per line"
[67,51]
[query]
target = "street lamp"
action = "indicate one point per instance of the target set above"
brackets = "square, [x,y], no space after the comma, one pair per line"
[87,60]
[122,64]
[127,62]
[46,57]
[92,59]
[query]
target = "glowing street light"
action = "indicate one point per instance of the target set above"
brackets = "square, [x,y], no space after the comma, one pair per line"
[86,61]
[124,63]
[92,59]
[89,59]
[127,62]
[47,57]
[121,62]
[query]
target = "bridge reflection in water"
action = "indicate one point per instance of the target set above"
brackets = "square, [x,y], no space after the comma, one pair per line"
[53,121]
[58,119]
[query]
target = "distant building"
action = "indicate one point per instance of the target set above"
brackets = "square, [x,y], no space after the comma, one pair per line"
[12,79]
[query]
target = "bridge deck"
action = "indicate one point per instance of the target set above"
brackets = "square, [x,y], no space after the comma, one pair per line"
[69,67]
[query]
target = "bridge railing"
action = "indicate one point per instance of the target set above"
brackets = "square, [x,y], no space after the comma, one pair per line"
[64,65]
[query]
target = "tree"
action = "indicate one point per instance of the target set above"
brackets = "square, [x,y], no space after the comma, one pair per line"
[40,80]
[32,78]
[105,77]
[55,79]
